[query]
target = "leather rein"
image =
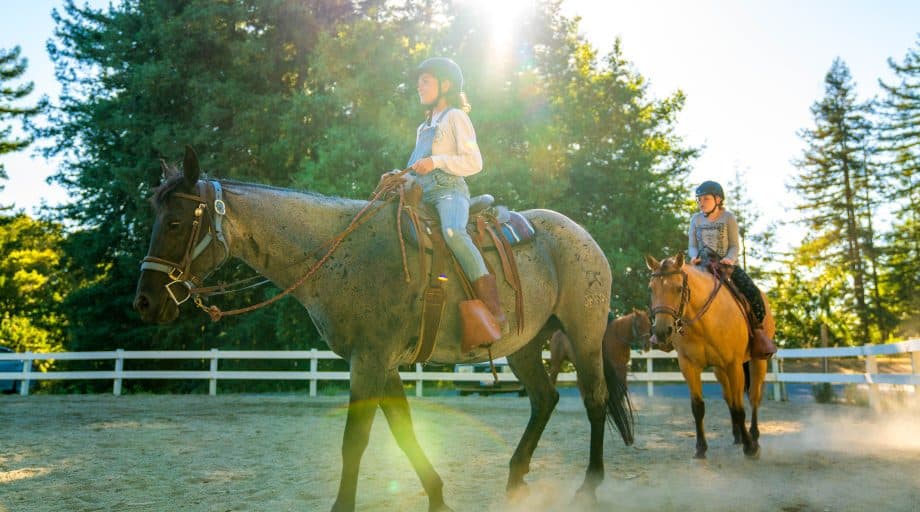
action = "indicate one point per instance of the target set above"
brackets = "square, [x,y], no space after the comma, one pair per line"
[678,314]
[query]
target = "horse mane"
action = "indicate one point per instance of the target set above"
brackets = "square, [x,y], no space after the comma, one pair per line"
[162,191]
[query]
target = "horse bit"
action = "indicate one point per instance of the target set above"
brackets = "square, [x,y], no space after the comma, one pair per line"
[181,273]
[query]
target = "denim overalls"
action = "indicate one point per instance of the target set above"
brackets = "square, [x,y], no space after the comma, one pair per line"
[451,197]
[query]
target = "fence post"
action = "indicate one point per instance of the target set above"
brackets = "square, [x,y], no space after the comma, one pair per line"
[418,381]
[777,391]
[314,366]
[119,371]
[212,384]
[871,371]
[915,366]
[26,372]
[650,370]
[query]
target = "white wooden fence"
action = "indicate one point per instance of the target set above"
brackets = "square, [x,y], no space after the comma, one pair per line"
[118,374]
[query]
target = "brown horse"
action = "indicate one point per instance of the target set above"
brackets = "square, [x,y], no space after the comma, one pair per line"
[621,334]
[708,328]
[361,305]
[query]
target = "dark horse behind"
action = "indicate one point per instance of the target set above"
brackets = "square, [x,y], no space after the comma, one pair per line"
[368,315]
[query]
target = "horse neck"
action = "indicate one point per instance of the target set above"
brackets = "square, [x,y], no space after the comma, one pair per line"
[622,327]
[701,284]
[274,230]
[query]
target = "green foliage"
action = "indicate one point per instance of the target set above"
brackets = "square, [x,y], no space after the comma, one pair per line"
[33,283]
[833,182]
[900,140]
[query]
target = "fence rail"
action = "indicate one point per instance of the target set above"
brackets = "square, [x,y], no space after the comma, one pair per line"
[213,374]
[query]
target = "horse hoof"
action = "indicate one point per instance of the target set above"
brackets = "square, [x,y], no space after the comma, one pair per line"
[585,499]
[753,453]
[517,493]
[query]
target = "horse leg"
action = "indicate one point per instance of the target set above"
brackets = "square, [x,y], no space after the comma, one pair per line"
[758,373]
[695,384]
[396,409]
[723,381]
[587,347]
[367,384]
[527,364]
[556,355]
[736,408]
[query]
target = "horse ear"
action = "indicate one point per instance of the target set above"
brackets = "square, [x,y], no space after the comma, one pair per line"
[651,262]
[679,260]
[164,168]
[190,167]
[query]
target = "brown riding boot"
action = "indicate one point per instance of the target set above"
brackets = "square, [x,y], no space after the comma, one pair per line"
[762,347]
[486,290]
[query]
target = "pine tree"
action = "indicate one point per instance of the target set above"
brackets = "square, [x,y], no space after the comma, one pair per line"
[900,139]
[12,68]
[832,183]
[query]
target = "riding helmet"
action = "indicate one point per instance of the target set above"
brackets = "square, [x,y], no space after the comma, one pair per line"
[442,68]
[711,188]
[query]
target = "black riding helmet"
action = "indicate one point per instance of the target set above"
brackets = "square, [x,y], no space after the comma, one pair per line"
[442,68]
[711,188]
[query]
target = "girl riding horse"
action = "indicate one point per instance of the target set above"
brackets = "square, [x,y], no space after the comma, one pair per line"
[713,236]
[445,152]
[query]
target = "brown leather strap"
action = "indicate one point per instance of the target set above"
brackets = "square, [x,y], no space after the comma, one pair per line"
[509,268]
[433,300]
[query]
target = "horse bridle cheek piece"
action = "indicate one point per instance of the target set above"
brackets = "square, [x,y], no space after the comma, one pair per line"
[181,273]
[677,314]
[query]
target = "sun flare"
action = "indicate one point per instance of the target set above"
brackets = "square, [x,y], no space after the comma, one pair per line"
[500,19]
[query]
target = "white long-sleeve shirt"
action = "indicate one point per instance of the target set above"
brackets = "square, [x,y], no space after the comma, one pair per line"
[454,149]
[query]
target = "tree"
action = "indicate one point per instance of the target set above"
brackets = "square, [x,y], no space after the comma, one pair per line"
[12,67]
[34,279]
[900,140]
[142,79]
[832,183]
[757,244]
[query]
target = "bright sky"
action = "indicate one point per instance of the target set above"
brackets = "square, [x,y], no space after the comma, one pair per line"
[750,71]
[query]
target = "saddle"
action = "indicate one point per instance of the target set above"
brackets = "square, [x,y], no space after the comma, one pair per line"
[492,228]
[513,227]
[723,273]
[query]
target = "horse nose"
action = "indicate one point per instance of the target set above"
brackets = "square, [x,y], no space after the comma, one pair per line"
[141,303]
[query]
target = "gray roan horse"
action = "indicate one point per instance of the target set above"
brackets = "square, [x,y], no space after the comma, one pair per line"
[367,314]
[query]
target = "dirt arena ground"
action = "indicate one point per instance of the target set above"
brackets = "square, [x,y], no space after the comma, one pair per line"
[281,453]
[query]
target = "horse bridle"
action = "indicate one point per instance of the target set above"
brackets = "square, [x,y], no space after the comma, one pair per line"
[677,314]
[181,273]
[638,337]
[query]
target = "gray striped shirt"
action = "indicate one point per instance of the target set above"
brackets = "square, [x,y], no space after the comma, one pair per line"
[720,235]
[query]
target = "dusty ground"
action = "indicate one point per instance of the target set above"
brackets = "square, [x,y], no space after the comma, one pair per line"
[279,453]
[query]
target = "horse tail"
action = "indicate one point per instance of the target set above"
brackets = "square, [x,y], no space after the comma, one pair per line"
[619,406]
